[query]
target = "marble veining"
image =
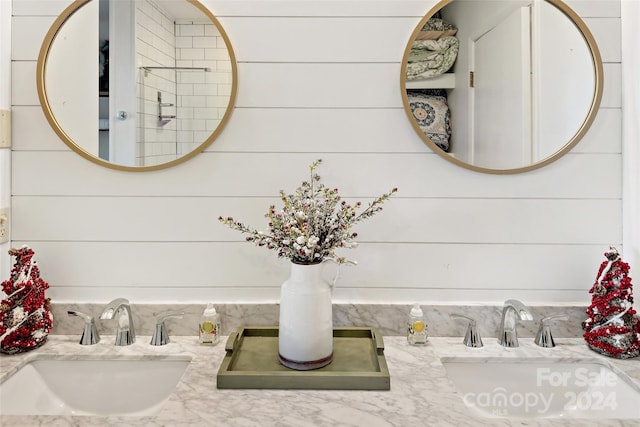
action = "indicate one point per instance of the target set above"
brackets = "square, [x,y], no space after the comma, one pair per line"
[420,395]
[389,319]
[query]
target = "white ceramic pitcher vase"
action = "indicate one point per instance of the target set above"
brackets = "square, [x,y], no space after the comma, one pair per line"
[305,335]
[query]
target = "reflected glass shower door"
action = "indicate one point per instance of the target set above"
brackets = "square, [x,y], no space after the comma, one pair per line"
[156,135]
[176,114]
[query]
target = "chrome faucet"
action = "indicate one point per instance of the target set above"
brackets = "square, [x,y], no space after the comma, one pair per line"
[120,309]
[508,336]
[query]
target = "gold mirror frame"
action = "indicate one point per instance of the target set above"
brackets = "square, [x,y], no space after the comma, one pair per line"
[46,107]
[593,109]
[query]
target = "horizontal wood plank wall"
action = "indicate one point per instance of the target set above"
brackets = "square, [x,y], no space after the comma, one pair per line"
[317,79]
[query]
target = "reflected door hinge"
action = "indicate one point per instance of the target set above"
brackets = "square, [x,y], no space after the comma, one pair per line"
[470,78]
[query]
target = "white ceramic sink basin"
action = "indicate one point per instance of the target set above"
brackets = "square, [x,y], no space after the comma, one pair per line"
[90,387]
[544,388]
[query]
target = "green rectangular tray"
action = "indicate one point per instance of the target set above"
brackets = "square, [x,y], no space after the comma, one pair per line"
[251,361]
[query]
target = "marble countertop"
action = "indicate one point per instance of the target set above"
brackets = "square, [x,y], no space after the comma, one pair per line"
[421,393]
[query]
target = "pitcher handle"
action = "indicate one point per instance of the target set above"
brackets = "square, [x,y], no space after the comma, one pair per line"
[339,262]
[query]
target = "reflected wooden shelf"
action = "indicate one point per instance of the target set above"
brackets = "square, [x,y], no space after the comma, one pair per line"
[443,81]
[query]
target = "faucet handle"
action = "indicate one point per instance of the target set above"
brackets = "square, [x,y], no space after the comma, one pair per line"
[544,338]
[90,333]
[161,336]
[472,337]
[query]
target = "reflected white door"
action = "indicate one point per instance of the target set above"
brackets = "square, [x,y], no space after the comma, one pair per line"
[562,103]
[72,91]
[122,82]
[501,99]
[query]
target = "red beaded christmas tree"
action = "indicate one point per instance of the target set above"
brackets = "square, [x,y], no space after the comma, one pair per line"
[25,318]
[612,328]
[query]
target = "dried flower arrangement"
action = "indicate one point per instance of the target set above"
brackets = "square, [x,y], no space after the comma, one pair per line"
[312,224]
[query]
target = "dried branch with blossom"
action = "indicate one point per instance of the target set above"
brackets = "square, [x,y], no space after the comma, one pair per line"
[312,224]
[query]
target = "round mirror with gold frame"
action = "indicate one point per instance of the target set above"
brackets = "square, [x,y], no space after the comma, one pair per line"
[501,86]
[137,85]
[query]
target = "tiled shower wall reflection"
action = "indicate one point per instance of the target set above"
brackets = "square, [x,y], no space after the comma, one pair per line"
[196,98]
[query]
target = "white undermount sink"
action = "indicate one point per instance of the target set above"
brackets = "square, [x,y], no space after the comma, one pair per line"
[544,388]
[91,386]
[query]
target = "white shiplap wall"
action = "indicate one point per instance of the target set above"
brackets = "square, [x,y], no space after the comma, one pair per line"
[317,79]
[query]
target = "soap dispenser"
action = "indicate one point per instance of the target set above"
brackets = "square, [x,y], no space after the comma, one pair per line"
[209,326]
[417,326]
